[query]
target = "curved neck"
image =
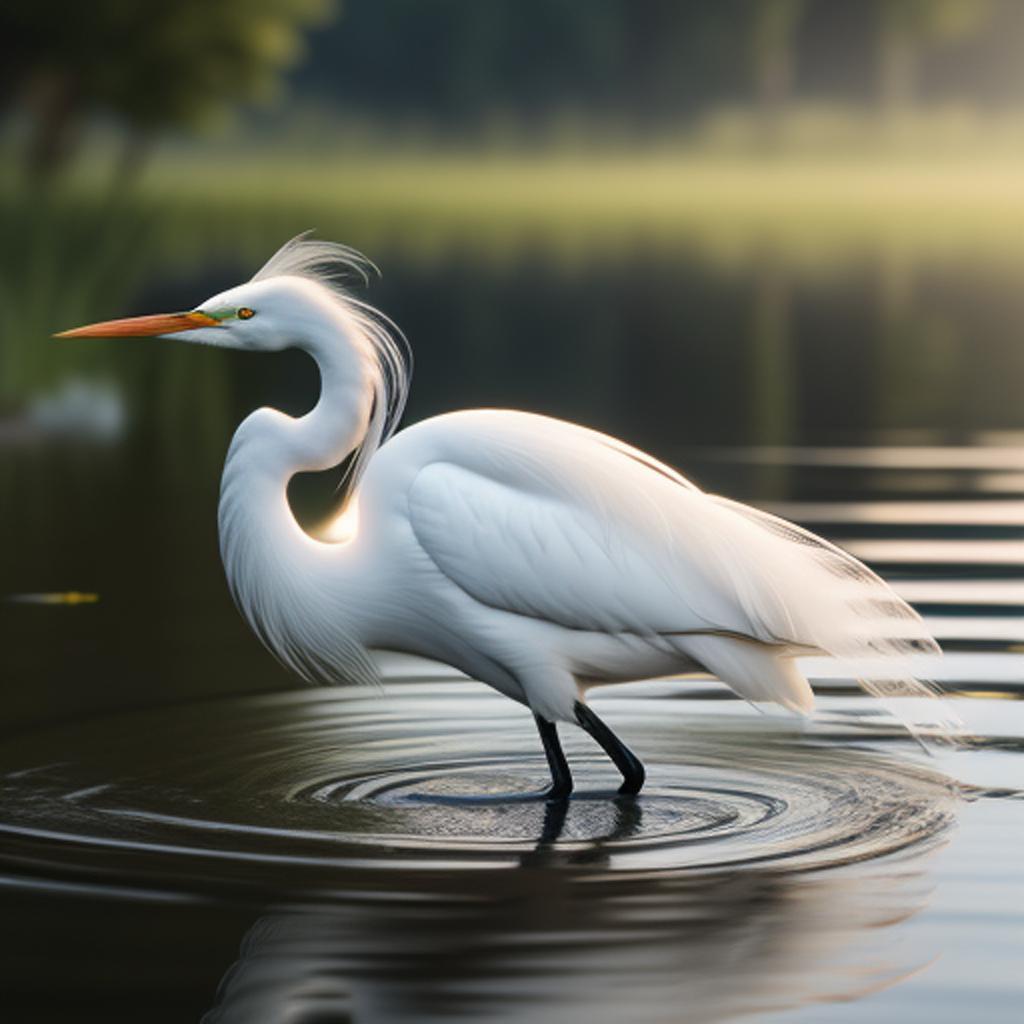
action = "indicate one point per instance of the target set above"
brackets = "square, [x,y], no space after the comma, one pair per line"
[269,447]
[306,598]
[283,584]
[338,423]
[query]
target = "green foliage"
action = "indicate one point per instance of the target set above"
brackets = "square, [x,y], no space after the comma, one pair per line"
[503,70]
[935,19]
[461,61]
[654,67]
[907,28]
[151,65]
[774,22]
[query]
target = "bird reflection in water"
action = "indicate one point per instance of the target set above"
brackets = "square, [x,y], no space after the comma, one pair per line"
[561,938]
[627,821]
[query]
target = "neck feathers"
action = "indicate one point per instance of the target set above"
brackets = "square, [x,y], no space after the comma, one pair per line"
[301,596]
[377,342]
[385,371]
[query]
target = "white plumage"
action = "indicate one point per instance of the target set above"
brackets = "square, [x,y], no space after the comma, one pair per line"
[535,555]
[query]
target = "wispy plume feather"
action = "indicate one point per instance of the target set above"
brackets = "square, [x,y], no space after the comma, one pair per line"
[331,264]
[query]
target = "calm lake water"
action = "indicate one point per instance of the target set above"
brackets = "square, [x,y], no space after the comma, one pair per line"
[185,831]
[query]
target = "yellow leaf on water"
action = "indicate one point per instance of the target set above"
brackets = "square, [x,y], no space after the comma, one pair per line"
[69,597]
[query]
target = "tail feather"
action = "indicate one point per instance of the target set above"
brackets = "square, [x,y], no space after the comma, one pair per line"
[819,595]
[811,594]
[756,671]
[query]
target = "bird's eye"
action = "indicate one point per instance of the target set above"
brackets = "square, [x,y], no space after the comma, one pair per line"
[245,313]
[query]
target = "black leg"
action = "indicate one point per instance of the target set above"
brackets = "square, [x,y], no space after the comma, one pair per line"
[626,761]
[561,777]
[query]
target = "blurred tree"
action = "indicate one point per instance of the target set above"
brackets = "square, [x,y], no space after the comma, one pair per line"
[774,24]
[149,65]
[909,27]
[648,67]
[456,68]
[453,64]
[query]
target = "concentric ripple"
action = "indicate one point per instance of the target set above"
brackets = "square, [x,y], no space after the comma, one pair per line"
[281,791]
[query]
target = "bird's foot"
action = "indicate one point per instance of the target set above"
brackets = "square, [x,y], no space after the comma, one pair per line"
[633,772]
[631,786]
[557,793]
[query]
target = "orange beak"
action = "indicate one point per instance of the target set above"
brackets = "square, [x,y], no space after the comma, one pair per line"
[143,326]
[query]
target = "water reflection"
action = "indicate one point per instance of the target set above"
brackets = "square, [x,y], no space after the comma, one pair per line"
[764,868]
[386,894]
[78,410]
[541,944]
[276,794]
[67,597]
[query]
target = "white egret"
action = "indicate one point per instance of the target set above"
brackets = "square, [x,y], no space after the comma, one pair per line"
[532,554]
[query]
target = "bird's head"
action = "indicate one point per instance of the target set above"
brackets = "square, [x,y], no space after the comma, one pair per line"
[261,315]
[295,300]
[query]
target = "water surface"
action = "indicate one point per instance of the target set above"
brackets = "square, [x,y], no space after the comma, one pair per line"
[184,831]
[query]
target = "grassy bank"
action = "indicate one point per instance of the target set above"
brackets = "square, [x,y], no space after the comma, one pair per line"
[808,209]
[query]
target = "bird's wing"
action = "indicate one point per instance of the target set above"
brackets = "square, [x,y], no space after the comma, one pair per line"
[540,518]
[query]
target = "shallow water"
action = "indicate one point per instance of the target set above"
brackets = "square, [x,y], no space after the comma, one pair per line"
[341,854]
[372,854]
[248,790]
[184,832]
